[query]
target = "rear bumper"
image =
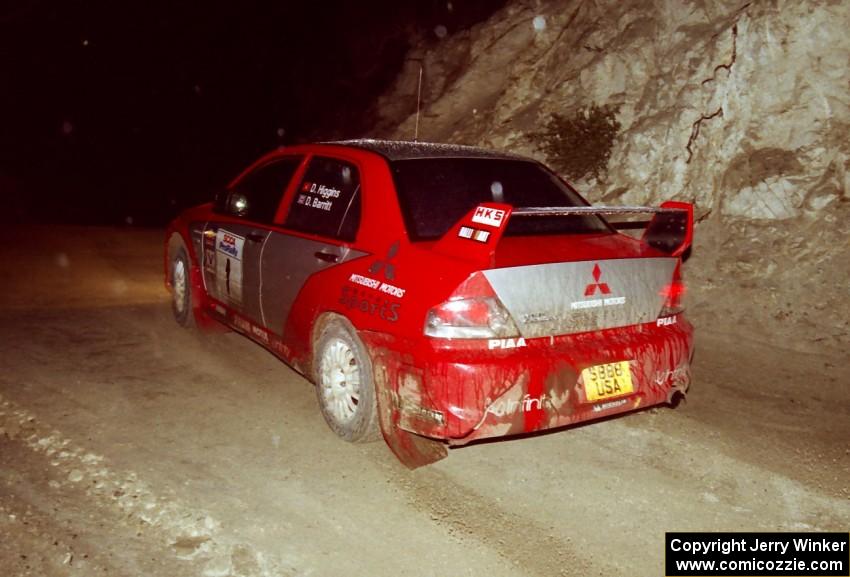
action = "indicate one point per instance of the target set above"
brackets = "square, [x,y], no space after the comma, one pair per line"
[461,391]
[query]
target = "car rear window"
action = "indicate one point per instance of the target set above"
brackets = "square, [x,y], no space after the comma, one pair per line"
[434,193]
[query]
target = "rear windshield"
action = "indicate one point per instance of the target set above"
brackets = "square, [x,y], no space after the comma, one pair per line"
[434,193]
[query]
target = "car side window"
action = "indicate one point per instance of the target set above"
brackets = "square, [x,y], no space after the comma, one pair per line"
[257,195]
[327,200]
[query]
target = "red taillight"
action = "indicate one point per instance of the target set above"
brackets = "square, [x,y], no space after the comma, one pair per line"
[472,312]
[673,294]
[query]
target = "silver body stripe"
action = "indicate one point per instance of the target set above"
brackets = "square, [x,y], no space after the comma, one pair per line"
[264,276]
[288,261]
[262,252]
[551,299]
[236,282]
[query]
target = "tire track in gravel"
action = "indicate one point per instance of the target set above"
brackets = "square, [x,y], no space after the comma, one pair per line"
[48,530]
[187,534]
[533,548]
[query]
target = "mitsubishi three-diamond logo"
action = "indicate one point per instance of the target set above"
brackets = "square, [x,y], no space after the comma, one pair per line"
[590,289]
[386,265]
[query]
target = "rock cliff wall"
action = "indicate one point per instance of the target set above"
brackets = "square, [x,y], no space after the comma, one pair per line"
[740,107]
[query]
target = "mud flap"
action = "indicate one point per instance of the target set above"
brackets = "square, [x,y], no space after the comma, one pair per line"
[412,450]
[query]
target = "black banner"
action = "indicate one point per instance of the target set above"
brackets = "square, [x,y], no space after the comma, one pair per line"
[757,554]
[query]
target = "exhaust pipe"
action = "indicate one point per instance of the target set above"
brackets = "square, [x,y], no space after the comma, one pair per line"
[676,398]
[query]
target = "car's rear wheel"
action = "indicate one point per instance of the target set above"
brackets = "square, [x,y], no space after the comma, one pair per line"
[344,387]
[181,288]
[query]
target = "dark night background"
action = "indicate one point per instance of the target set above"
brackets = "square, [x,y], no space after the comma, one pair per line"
[126,112]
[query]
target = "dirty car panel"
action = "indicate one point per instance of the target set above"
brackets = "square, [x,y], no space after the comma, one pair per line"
[442,294]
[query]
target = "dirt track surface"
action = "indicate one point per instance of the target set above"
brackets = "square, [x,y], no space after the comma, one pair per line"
[129,446]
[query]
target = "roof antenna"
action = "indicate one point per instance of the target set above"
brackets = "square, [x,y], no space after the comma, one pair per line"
[418,100]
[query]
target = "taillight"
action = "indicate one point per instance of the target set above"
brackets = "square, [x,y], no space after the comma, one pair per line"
[673,295]
[472,312]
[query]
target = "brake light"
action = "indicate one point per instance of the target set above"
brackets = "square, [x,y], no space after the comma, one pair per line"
[673,294]
[472,312]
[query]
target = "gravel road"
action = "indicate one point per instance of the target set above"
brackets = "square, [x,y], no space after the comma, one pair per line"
[130,446]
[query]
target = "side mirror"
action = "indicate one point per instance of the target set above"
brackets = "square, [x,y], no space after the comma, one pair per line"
[237,204]
[672,230]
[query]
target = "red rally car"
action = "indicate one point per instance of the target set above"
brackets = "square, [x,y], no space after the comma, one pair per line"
[439,294]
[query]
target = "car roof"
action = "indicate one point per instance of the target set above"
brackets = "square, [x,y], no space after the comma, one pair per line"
[406,150]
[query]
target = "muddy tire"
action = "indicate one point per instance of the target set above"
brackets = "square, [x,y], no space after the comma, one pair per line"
[344,386]
[181,288]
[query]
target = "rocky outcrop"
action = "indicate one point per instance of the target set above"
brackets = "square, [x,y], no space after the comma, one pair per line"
[740,107]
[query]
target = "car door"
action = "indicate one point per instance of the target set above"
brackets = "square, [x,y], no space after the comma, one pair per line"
[233,246]
[325,212]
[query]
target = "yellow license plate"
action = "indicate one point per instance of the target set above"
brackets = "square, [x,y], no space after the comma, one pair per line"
[607,381]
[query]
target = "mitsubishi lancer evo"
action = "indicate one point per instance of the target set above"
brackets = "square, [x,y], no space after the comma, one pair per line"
[439,294]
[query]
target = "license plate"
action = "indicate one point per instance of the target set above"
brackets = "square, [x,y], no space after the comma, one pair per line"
[607,381]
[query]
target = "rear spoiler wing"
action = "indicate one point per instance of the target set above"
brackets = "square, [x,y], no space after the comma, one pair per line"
[669,230]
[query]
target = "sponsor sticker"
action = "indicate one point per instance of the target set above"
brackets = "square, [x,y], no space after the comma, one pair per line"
[609,405]
[391,290]
[369,303]
[596,303]
[489,216]
[474,234]
[386,266]
[677,374]
[364,281]
[537,317]
[506,343]
[241,324]
[665,321]
[592,288]
[250,328]
[377,285]
[524,405]
[260,333]
[209,252]
[229,248]
[426,413]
